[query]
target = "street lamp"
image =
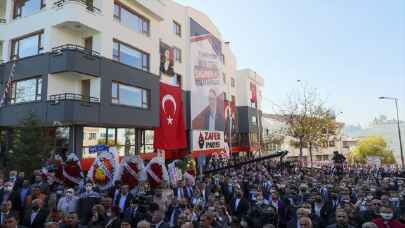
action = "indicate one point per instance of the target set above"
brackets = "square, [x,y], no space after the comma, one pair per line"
[399,127]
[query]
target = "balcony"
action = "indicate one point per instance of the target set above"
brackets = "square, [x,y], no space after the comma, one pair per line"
[57,98]
[87,4]
[73,108]
[74,58]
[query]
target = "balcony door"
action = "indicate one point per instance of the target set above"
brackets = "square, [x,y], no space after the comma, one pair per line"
[88,43]
[85,89]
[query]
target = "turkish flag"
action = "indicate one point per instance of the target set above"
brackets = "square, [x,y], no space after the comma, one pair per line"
[253,97]
[171,134]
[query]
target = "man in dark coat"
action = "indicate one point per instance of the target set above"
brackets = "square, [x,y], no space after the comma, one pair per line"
[36,215]
[86,202]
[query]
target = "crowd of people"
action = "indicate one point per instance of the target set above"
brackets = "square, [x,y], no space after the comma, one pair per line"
[256,194]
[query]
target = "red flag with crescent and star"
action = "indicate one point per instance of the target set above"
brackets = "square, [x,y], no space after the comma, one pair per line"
[171,134]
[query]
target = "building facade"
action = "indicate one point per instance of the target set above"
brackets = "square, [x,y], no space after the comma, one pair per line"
[90,70]
[275,138]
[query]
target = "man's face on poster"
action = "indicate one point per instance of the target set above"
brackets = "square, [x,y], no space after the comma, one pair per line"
[212,99]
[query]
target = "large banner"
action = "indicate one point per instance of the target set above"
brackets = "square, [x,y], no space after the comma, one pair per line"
[208,140]
[207,87]
[166,60]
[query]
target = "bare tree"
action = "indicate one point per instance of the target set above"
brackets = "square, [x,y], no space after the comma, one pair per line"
[309,121]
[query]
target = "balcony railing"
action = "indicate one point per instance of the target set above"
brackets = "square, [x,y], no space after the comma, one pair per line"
[57,98]
[84,50]
[3,21]
[86,3]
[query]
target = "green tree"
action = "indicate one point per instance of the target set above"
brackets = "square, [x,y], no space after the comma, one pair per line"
[31,145]
[372,146]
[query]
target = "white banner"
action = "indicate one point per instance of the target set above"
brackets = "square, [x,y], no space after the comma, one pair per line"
[208,140]
[374,161]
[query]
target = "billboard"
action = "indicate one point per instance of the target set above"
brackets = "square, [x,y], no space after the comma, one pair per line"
[208,140]
[207,86]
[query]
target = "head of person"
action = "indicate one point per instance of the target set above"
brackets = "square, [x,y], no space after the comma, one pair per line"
[69,193]
[157,216]
[8,186]
[89,187]
[305,222]
[206,220]
[341,217]
[143,224]
[98,210]
[21,175]
[25,183]
[13,175]
[10,222]
[6,206]
[386,213]
[212,100]
[36,190]
[71,219]
[38,178]
[37,204]
[274,194]
[302,212]
[124,189]
[125,224]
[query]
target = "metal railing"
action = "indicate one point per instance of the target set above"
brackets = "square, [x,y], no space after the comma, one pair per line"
[3,21]
[55,99]
[84,50]
[86,3]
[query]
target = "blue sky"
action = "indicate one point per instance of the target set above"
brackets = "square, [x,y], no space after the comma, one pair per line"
[351,51]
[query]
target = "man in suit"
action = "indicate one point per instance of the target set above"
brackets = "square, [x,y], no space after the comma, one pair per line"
[213,121]
[8,193]
[157,220]
[342,220]
[124,199]
[86,202]
[276,202]
[239,205]
[6,211]
[35,216]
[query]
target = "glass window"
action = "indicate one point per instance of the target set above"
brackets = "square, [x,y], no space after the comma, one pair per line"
[130,95]
[93,136]
[26,91]
[125,136]
[23,8]
[176,28]
[147,141]
[177,54]
[233,82]
[131,56]
[131,19]
[27,46]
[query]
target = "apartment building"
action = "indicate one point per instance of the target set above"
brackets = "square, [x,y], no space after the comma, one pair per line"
[249,86]
[90,70]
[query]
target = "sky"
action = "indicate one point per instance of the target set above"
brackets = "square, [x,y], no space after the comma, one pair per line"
[352,52]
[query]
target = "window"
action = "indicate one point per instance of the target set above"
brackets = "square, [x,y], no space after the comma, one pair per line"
[147,141]
[122,138]
[129,95]
[130,56]
[23,8]
[131,19]
[27,45]
[176,28]
[224,78]
[177,54]
[233,82]
[26,91]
